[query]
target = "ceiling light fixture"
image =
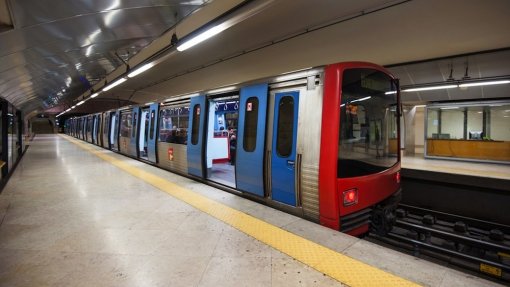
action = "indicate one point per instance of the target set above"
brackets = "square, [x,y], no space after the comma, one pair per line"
[475,84]
[140,70]
[223,24]
[94,95]
[458,84]
[114,84]
[429,88]
[362,99]
[202,37]
[80,103]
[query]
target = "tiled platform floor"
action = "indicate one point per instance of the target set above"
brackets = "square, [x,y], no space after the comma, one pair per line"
[72,219]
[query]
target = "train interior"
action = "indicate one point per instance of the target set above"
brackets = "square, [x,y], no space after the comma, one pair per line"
[144,134]
[222,139]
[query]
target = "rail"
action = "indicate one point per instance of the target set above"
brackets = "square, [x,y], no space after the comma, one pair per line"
[470,243]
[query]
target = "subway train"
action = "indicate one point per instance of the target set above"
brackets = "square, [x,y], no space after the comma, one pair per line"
[321,143]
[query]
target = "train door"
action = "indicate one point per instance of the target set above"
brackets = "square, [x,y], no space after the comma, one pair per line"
[196,136]
[133,145]
[114,131]
[94,129]
[104,129]
[90,121]
[153,132]
[98,129]
[283,146]
[251,139]
[221,144]
[144,136]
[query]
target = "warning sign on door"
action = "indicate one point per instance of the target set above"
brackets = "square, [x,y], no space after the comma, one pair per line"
[170,154]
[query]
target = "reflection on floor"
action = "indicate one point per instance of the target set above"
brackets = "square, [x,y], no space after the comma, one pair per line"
[493,170]
[223,173]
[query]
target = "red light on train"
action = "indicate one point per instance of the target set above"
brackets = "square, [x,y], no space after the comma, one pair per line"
[397,177]
[350,197]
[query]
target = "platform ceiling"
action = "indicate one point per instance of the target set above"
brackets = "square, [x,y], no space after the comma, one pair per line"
[52,51]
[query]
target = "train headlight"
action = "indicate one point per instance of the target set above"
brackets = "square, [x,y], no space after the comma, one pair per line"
[350,196]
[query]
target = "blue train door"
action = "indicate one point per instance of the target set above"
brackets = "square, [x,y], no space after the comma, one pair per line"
[251,139]
[135,115]
[284,147]
[196,136]
[153,132]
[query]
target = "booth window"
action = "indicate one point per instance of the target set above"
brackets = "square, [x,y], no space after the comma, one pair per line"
[477,130]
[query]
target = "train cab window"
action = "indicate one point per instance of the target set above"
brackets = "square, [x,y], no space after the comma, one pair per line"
[195,125]
[368,136]
[250,124]
[285,126]
[152,125]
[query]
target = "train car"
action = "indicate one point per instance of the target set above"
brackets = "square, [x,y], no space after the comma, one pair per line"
[321,143]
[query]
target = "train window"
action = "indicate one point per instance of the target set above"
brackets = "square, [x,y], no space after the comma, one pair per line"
[285,126]
[250,124]
[173,124]
[151,126]
[133,130]
[195,125]
[368,135]
[106,124]
[125,124]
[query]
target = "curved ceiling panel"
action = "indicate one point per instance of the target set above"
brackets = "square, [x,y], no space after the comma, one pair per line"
[60,48]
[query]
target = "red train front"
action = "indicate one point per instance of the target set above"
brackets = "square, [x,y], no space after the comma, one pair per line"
[359,179]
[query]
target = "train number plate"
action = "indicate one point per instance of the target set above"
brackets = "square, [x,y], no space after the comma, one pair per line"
[490,269]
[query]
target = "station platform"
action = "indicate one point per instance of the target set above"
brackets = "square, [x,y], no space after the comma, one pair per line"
[458,167]
[74,214]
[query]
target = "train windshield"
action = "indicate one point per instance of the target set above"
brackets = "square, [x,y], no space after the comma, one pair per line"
[368,123]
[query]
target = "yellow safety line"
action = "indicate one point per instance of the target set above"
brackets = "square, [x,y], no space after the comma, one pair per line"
[338,266]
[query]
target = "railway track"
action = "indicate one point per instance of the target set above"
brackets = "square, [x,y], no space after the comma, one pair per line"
[469,243]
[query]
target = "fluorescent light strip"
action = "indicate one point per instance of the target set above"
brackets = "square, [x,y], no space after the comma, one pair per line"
[390,93]
[362,99]
[202,37]
[430,88]
[114,84]
[94,95]
[221,90]
[80,103]
[140,70]
[484,83]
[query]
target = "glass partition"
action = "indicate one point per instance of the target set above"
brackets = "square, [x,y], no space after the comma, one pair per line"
[469,131]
